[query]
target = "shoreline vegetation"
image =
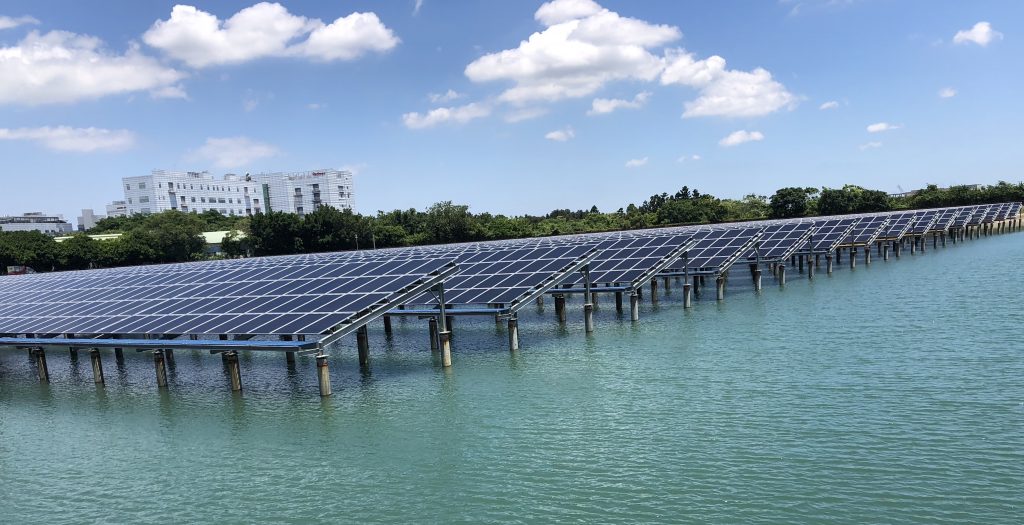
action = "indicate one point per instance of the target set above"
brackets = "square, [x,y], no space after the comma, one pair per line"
[175,236]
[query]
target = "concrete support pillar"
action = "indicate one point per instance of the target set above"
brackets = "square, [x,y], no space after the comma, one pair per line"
[922,244]
[323,375]
[757,279]
[97,366]
[588,317]
[913,248]
[654,290]
[828,264]
[720,287]
[696,285]
[782,275]
[885,252]
[839,255]
[878,247]
[935,241]
[73,354]
[234,370]
[817,260]
[560,308]
[445,338]
[161,369]
[387,325]
[513,334]
[897,249]
[867,255]
[687,299]
[634,306]
[41,369]
[618,302]
[800,263]
[853,257]
[449,321]
[943,236]
[119,355]
[593,298]
[540,301]
[363,345]
[810,267]
[667,285]
[434,345]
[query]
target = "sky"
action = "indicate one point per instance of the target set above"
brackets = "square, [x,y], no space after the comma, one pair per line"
[509,106]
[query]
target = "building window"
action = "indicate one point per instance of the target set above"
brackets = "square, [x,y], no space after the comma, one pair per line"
[193,199]
[221,200]
[142,185]
[202,199]
[129,200]
[128,187]
[231,200]
[143,199]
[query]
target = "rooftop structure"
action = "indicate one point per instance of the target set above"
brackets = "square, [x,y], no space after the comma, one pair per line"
[35,221]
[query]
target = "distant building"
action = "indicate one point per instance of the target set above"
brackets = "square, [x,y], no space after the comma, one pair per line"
[199,191]
[117,209]
[35,221]
[305,191]
[88,219]
[191,191]
[214,240]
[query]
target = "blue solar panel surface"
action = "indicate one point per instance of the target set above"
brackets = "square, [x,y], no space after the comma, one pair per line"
[779,241]
[866,231]
[718,249]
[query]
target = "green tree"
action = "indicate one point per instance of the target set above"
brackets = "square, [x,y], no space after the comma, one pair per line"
[447,222]
[791,202]
[275,233]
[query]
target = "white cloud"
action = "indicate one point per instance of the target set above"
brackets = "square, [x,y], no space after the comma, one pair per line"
[947,92]
[250,103]
[416,7]
[458,114]
[200,39]
[695,157]
[9,22]
[560,135]
[870,145]
[636,163]
[313,106]
[739,137]
[831,104]
[175,91]
[879,127]
[522,114]
[725,92]
[981,34]
[601,106]
[582,47]
[61,67]
[448,96]
[685,158]
[64,138]
[232,152]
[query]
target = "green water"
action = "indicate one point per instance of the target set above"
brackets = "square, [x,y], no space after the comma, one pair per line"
[888,394]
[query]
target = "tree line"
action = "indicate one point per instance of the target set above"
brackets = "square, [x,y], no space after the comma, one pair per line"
[175,236]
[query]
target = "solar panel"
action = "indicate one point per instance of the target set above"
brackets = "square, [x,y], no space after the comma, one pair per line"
[899,225]
[250,297]
[945,219]
[780,241]
[980,215]
[500,276]
[717,250]
[866,231]
[1014,210]
[828,234]
[923,222]
[964,217]
[628,260]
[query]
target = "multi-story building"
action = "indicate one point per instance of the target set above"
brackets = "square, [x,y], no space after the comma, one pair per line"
[192,191]
[117,209]
[195,191]
[35,221]
[88,219]
[305,191]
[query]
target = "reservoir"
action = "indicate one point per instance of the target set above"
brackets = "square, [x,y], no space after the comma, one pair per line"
[891,392]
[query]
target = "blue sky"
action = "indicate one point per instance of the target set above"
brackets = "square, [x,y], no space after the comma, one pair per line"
[511,107]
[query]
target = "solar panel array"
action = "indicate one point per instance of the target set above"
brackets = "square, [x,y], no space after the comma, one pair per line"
[829,233]
[718,249]
[923,222]
[866,231]
[898,226]
[779,241]
[240,298]
[945,219]
[624,261]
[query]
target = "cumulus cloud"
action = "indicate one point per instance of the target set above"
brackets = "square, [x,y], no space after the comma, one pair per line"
[831,104]
[447,96]
[560,135]
[601,106]
[582,47]
[947,92]
[870,145]
[65,138]
[685,158]
[175,91]
[725,92]
[200,39]
[879,127]
[416,7]
[739,137]
[9,22]
[636,163]
[458,114]
[522,114]
[61,67]
[981,34]
[233,152]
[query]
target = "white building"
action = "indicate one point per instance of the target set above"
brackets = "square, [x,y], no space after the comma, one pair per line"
[88,219]
[117,209]
[194,191]
[35,221]
[191,191]
[304,191]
